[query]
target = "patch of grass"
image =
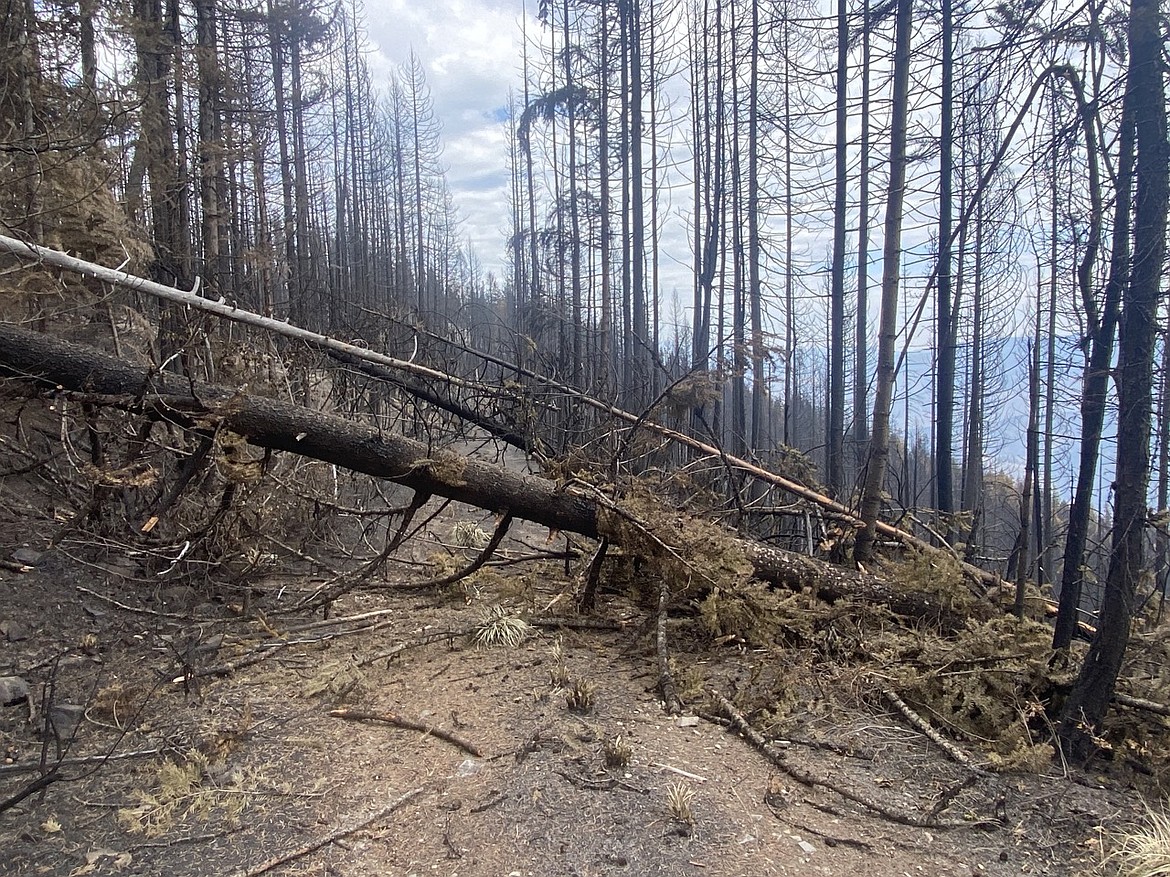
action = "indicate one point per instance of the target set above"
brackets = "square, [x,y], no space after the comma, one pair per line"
[581,696]
[501,628]
[558,673]
[617,752]
[1141,850]
[678,800]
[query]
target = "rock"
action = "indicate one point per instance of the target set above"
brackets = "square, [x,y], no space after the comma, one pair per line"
[65,717]
[13,690]
[469,767]
[180,598]
[688,722]
[28,556]
[13,631]
[806,847]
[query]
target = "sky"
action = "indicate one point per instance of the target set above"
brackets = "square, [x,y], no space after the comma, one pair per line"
[471,51]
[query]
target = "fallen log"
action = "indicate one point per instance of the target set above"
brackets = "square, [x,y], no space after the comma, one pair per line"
[380,365]
[268,423]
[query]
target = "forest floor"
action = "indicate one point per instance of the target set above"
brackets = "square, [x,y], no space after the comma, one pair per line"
[235,768]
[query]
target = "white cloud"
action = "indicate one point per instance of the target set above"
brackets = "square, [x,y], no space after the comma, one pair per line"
[470,51]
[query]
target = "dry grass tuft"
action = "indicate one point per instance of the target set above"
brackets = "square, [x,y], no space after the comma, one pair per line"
[558,673]
[617,752]
[501,628]
[1141,850]
[581,696]
[678,800]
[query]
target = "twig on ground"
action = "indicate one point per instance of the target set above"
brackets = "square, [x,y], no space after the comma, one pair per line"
[953,751]
[948,795]
[1140,703]
[679,771]
[829,840]
[429,638]
[267,650]
[489,804]
[574,623]
[739,723]
[602,784]
[341,619]
[227,668]
[333,837]
[31,767]
[138,610]
[409,725]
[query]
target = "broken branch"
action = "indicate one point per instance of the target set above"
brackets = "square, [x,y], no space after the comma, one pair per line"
[332,837]
[408,725]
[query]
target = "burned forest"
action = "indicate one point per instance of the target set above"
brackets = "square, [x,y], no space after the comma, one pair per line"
[704,524]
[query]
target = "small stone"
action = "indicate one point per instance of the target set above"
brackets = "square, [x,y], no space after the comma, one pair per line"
[13,631]
[28,556]
[806,847]
[13,690]
[688,722]
[65,717]
[469,767]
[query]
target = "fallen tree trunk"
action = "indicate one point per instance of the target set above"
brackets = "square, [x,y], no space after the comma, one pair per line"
[352,353]
[268,423]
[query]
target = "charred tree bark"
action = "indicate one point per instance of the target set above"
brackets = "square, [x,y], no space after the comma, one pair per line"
[1085,710]
[268,423]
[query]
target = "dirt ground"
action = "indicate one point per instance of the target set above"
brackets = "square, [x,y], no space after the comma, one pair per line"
[224,757]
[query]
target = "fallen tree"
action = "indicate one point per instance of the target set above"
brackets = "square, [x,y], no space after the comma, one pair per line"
[414,375]
[52,363]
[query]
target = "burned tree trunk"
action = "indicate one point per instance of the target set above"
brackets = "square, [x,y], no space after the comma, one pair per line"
[59,365]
